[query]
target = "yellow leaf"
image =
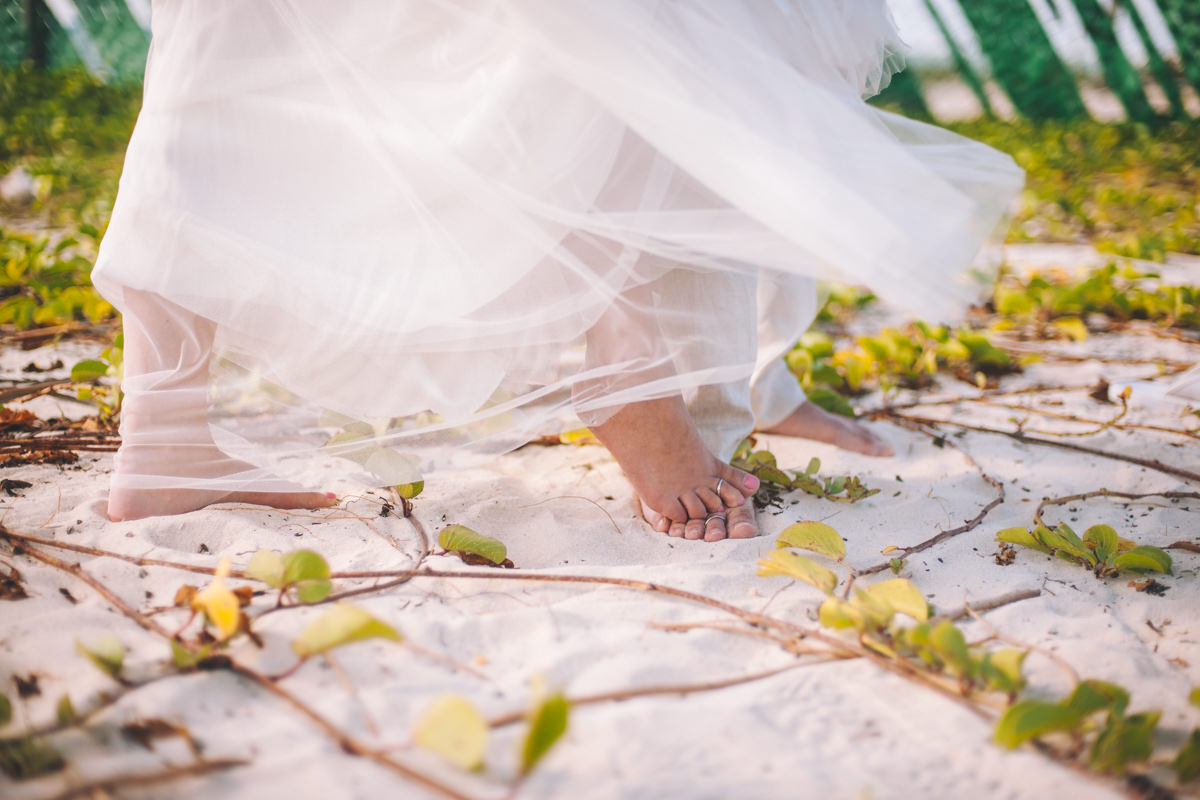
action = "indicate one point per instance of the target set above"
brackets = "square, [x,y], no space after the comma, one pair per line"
[219,604]
[903,596]
[793,565]
[815,536]
[341,624]
[579,436]
[455,730]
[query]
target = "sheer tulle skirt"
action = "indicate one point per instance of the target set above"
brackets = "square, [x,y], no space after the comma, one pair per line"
[457,219]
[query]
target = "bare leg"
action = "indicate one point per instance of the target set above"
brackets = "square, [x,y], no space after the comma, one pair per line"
[167,453]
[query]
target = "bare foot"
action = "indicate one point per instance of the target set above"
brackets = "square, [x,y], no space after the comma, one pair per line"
[672,471]
[810,421]
[126,504]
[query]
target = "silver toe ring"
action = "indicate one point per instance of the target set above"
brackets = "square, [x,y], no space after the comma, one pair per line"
[714,515]
[720,483]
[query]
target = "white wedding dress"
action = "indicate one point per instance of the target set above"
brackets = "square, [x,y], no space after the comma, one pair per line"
[422,210]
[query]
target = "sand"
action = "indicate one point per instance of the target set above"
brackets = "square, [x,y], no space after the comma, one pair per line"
[844,728]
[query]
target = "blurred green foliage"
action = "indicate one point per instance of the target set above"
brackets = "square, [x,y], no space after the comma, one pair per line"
[69,131]
[1128,189]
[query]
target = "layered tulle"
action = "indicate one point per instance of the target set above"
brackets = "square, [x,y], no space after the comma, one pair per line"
[459,218]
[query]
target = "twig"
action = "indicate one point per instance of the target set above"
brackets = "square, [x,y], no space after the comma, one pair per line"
[988,605]
[975,615]
[1153,464]
[104,786]
[99,588]
[650,691]
[1071,498]
[970,524]
[348,743]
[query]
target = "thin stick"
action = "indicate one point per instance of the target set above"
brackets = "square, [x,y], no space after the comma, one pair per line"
[1153,464]
[970,524]
[348,743]
[104,786]
[1071,498]
[973,614]
[650,691]
[988,605]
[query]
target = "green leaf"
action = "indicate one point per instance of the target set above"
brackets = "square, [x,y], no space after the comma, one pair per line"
[5,710]
[951,647]
[1022,537]
[106,652]
[837,613]
[1187,763]
[461,539]
[64,711]
[313,591]
[877,611]
[902,595]
[1027,719]
[410,490]
[24,758]
[1091,696]
[341,625]
[1144,558]
[1194,697]
[814,466]
[815,536]
[1002,670]
[1064,540]
[455,730]
[1103,539]
[1124,740]
[266,566]
[88,370]
[547,724]
[831,401]
[793,565]
[304,565]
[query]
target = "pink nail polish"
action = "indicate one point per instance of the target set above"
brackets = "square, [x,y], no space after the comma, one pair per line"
[331,495]
[751,483]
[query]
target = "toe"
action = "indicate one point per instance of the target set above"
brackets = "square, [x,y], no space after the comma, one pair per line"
[696,509]
[741,522]
[694,529]
[714,529]
[654,519]
[734,485]
[712,501]
[677,530]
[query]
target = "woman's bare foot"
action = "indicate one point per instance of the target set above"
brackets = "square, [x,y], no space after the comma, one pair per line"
[679,481]
[126,503]
[810,421]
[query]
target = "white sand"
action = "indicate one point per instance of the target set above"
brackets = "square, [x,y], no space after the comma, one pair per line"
[844,729]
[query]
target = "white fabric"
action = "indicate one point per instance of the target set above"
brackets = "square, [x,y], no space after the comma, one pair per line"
[397,207]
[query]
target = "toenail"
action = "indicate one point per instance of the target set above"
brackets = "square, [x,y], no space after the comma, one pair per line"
[331,495]
[751,483]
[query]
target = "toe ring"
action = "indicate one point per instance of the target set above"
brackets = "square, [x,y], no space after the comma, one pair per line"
[720,483]
[714,515]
